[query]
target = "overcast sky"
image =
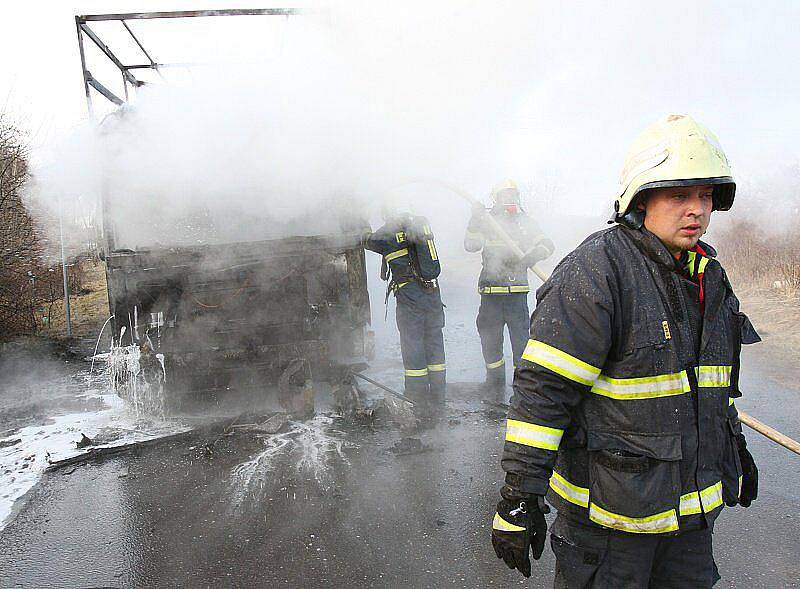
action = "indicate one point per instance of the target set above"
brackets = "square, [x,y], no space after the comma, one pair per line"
[567,85]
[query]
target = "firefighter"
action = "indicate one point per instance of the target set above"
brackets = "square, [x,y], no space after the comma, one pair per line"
[623,411]
[503,282]
[411,266]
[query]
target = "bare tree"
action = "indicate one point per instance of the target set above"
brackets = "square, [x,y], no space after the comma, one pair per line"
[27,283]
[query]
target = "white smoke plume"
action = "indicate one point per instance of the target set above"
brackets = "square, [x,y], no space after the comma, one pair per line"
[333,110]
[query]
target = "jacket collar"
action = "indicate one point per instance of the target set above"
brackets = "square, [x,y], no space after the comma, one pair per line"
[654,248]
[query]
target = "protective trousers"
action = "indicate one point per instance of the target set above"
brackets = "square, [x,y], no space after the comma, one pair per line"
[497,311]
[420,319]
[594,558]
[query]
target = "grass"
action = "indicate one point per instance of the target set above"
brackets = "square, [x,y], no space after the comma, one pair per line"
[88,309]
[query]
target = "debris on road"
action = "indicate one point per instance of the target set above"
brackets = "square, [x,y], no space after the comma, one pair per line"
[84,442]
[273,425]
[408,446]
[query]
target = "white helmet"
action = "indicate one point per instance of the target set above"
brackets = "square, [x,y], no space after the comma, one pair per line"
[677,151]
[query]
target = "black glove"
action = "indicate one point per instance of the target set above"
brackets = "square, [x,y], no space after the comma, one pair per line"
[519,526]
[749,491]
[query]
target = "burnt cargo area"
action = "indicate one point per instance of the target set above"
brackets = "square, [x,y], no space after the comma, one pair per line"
[225,322]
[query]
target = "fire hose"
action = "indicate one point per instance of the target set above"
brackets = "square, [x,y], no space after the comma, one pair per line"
[750,421]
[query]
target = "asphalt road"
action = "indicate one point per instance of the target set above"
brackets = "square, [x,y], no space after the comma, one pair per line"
[329,505]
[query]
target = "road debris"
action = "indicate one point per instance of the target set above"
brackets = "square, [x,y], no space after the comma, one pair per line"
[408,446]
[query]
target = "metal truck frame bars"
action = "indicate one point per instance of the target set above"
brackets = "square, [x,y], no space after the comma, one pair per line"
[126,70]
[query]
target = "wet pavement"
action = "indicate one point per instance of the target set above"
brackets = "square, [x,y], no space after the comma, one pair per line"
[327,503]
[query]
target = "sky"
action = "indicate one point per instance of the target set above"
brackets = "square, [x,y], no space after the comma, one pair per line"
[550,94]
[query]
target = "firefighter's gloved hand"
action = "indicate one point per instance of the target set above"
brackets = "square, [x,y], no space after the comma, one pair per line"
[749,490]
[537,254]
[478,209]
[518,527]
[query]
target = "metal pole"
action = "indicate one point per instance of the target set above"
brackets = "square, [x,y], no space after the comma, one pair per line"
[83,68]
[64,270]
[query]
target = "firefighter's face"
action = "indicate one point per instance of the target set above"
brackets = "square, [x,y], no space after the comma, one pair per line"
[678,216]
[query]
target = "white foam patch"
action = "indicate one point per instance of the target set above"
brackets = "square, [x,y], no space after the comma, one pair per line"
[22,465]
[311,445]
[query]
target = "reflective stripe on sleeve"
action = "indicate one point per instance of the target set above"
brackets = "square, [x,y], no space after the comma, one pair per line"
[397,254]
[572,493]
[498,523]
[730,401]
[646,387]
[530,434]
[498,364]
[709,498]
[420,372]
[560,362]
[432,249]
[436,367]
[713,376]
[659,523]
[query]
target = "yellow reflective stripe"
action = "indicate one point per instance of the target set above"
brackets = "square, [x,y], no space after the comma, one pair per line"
[498,523]
[690,504]
[432,249]
[426,229]
[420,372]
[498,364]
[703,263]
[401,236]
[503,289]
[530,434]
[706,500]
[645,387]
[690,262]
[666,521]
[560,362]
[711,497]
[495,243]
[399,286]
[436,367]
[730,401]
[713,376]
[572,493]
[397,254]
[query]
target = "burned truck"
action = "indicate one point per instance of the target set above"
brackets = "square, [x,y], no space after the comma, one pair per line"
[215,310]
[244,324]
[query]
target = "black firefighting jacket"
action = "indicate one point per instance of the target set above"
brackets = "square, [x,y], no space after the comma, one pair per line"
[409,253]
[503,272]
[616,414]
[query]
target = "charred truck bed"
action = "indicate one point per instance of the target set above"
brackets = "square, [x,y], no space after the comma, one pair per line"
[231,319]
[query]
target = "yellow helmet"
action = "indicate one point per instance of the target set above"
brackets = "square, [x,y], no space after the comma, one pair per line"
[677,151]
[505,188]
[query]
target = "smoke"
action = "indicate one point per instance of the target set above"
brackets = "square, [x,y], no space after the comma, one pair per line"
[332,112]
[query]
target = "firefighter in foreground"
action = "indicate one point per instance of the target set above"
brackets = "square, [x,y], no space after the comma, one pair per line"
[503,283]
[411,266]
[623,411]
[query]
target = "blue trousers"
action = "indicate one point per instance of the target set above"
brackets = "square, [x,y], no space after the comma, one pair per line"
[420,319]
[495,313]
